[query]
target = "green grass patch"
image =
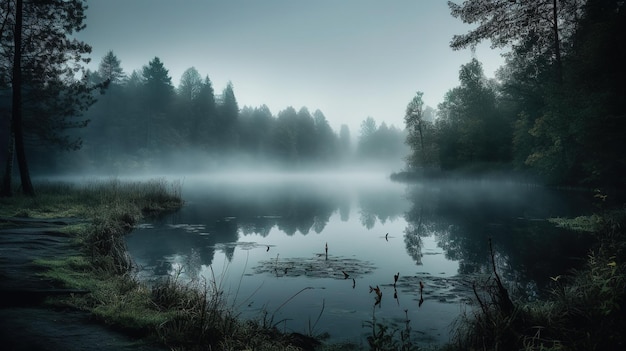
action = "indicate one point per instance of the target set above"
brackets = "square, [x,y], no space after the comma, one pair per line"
[72,272]
[582,223]
[63,199]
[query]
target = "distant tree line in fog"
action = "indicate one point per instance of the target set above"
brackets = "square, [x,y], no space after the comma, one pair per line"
[556,108]
[143,122]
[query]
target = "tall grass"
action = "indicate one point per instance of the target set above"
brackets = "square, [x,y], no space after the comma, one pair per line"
[91,198]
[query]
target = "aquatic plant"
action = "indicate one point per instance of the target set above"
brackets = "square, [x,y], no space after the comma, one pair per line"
[335,267]
[384,337]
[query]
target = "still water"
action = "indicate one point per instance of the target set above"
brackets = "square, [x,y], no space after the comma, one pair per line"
[303,250]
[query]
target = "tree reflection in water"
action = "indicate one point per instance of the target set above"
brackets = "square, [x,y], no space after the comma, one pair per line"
[463,215]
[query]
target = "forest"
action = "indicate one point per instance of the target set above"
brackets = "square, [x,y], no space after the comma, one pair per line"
[555,109]
[142,123]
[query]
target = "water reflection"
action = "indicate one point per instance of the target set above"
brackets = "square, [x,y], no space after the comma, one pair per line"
[379,206]
[462,216]
[432,235]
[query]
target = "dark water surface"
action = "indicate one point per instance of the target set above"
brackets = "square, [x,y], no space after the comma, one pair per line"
[264,239]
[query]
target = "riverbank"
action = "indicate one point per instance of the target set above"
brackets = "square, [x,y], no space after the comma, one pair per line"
[584,310]
[93,278]
[49,261]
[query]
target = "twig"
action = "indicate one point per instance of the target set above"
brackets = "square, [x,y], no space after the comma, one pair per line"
[505,301]
[292,297]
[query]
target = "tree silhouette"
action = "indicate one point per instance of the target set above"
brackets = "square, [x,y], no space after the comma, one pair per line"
[110,69]
[45,93]
[536,26]
[228,115]
[158,94]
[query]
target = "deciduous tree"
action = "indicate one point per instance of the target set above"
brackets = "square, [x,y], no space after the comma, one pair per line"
[414,120]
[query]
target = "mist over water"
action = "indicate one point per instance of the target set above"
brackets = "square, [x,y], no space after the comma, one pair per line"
[263,238]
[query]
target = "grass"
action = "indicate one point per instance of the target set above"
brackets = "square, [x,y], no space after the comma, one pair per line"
[584,311]
[181,315]
[60,199]
[590,224]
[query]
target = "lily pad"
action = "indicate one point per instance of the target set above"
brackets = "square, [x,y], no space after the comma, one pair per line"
[318,266]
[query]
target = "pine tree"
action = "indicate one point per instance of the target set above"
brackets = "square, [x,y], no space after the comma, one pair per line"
[46,96]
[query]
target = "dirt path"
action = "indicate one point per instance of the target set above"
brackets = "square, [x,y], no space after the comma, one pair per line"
[37,328]
[26,324]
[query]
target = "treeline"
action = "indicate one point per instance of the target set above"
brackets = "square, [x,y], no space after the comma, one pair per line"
[142,122]
[556,108]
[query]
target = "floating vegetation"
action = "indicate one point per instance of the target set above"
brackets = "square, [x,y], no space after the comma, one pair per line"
[190,228]
[441,289]
[582,224]
[318,266]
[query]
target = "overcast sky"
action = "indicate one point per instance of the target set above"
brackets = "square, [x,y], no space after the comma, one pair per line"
[349,58]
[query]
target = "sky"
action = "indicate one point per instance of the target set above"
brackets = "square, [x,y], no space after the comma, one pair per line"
[351,59]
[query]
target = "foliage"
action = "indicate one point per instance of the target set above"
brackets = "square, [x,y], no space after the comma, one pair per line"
[228,113]
[110,69]
[420,135]
[511,22]
[143,123]
[533,28]
[53,99]
[47,98]
[383,337]
[557,108]
[461,134]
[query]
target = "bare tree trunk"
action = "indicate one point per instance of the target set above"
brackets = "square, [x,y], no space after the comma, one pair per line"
[422,140]
[557,47]
[8,169]
[16,125]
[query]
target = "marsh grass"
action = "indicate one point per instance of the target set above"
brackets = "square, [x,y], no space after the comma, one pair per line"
[64,199]
[584,310]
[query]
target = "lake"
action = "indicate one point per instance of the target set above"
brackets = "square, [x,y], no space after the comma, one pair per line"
[305,251]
